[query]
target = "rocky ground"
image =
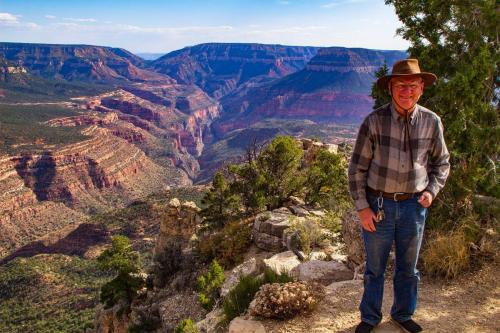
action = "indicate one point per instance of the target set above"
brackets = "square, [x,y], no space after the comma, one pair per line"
[470,304]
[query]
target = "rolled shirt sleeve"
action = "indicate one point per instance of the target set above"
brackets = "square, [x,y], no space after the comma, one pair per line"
[439,162]
[359,165]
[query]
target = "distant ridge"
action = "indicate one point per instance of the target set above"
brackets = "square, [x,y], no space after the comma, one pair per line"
[219,68]
[78,62]
[334,86]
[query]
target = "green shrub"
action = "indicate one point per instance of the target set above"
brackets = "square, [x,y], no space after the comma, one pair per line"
[228,245]
[310,234]
[209,285]
[331,221]
[186,326]
[240,297]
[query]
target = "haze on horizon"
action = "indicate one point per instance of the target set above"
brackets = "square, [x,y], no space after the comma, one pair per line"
[162,26]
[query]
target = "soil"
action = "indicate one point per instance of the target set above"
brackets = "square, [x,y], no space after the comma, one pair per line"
[468,304]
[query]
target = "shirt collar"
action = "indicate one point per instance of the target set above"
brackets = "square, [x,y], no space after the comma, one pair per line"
[398,117]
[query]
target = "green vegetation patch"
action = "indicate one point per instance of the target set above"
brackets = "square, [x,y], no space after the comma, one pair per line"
[22,128]
[49,293]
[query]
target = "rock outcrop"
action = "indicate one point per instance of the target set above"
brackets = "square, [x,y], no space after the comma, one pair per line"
[181,221]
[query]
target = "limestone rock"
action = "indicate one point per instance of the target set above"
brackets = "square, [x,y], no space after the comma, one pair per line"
[269,227]
[249,267]
[324,272]
[181,221]
[241,325]
[282,262]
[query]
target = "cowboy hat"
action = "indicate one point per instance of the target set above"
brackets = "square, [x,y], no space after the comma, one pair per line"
[406,67]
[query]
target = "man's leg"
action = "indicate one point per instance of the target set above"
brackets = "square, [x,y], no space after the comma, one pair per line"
[408,239]
[377,245]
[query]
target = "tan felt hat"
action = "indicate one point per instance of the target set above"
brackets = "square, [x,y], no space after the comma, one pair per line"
[406,67]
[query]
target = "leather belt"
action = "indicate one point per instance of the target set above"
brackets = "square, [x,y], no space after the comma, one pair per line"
[397,196]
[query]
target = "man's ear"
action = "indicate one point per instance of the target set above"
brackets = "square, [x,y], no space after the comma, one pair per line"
[389,88]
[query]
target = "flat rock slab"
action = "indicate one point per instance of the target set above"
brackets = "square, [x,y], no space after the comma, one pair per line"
[388,327]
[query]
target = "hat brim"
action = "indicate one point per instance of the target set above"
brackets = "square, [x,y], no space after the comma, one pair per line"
[429,79]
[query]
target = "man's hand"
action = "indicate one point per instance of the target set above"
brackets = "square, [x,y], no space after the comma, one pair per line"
[367,218]
[425,199]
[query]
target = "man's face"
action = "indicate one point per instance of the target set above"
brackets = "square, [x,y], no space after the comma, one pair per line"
[406,91]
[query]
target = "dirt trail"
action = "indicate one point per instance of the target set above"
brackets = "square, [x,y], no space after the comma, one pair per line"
[470,304]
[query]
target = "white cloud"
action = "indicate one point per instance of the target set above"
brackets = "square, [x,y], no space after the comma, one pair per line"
[72,19]
[297,29]
[50,17]
[32,25]
[337,3]
[8,19]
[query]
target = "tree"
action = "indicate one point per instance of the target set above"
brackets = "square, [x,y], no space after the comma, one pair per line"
[279,164]
[221,203]
[381,96]
[326,180]
[458,41]
[121,260]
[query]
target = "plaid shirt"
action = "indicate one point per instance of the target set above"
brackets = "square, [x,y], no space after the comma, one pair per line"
[381,160]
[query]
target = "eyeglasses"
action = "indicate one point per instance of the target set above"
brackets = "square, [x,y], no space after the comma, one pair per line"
[401,86]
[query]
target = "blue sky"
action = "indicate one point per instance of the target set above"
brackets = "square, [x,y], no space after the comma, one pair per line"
[163,26]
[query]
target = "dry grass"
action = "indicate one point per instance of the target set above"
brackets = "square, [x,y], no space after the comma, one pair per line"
[447,255]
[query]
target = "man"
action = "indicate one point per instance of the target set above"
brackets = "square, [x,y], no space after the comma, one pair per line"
[399,164]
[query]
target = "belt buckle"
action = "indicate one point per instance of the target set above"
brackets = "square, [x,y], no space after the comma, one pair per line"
[395,197]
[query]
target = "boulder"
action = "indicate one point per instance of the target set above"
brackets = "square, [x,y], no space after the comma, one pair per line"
[249,267]
[241,325]
[269,227]
[324,272]
[282,262]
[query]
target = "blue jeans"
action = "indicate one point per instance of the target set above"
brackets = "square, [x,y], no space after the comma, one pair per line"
[404,225]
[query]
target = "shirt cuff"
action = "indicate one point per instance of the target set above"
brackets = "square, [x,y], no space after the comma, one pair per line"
[432,190]
[361,204]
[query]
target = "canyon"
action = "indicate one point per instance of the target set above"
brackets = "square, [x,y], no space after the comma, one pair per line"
[147,126]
